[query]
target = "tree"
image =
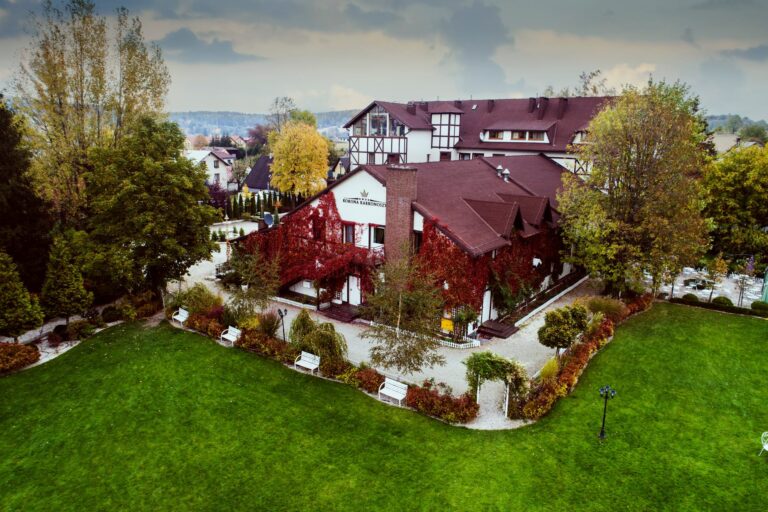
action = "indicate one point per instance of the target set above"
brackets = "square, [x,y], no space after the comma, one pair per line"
[150,204]
[638,209]
[19,312]
[405,309]
[240,170]
[735,201]
[199,141]
[562,327]
[81,90]
[258,136]
[64,292]
[300,163]
[303,116]
[717,269]
[25,219]
[258,279]
[591,83]
[754,133]
[217,196]
[280,112]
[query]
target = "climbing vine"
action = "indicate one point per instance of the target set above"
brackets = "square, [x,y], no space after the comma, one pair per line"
[482,366]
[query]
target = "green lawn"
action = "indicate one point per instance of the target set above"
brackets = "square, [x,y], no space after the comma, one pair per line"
[160,419]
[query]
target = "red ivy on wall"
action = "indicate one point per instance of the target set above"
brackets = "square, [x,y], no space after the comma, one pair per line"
[309,245]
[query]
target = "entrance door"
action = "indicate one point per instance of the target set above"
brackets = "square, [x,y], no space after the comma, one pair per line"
[354,295]
[486,313]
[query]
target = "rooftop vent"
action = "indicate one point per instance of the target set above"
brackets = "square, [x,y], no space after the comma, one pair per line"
[505,175]
[411,107]
[491,104]
[474,107]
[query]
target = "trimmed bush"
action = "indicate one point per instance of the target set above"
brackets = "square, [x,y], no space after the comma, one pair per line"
[722,301]
[79,330]
[690,297]
[369,379]
[759,305]
[111,314]
[253,341]
[726,309]
[197,300]
[436,400]
[15,356]
[613,309]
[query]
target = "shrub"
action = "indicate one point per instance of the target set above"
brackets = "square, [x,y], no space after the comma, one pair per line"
[111,314]
[550,370]
[301,326]
[197,299]
[759,305]
[251,323]
[727,309]
[60,330]
[689,297]
[202,324]
[594,324]
[436,400]
[640,303]
[256,342]
[268,323]
[15,356]
[369,379]
[95,319]
[215,313]
[127,311]
[722,301]
[349,376]
[611,308]
[542,400]
[79,330]
[146,303]
[54,340]
[334,368]
[325,342]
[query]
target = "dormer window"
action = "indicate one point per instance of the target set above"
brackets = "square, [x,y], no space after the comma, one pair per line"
[536,136]
[495,134]
[518,135]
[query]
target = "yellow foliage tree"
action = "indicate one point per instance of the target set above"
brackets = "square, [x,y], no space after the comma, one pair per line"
[300,163]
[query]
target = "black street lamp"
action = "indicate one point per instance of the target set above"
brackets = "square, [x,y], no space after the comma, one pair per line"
[607,392]
[283,313]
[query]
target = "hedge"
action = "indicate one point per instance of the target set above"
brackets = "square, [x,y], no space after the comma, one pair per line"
[719,307]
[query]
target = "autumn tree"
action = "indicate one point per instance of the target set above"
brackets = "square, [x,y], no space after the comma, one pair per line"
[716,271]
[562,327]
[19,312]
[200,141]
[303,116]
[64,292]
[736,202]
[258,137]
[82,83]
[25,221]
[300,164]
[591,83]
[638,210]
[256,280]
[149,206]
[405,309]
[754,133]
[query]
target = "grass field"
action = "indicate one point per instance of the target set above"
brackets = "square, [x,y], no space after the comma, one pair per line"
[160,419]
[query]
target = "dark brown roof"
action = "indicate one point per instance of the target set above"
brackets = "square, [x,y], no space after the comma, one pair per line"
[560,117]
[477,209]
[260,175]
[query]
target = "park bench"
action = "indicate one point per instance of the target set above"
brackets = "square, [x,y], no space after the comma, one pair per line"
[308,361]
[231,335]
[393,389]
[180,316]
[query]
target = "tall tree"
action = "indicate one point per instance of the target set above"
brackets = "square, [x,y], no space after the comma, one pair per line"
[754,133]
[591,83]
[64,292]
[259,280]
[150,204]
[639,210]
[300,163]
[735,201]
[19,312]
[258,136]
[280,112]
[80,88]
[303,116]
[25,219]
[405,309]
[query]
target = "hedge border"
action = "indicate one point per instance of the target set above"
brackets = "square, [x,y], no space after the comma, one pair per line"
[736,310]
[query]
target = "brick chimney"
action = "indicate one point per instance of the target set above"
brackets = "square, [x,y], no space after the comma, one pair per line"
[401,192]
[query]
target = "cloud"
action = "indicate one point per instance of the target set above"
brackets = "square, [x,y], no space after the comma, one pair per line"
[688,37]
[723,4]
[184,46]
[755,53]
[624,74]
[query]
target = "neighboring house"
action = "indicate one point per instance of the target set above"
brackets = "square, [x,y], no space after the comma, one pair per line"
[428,131]
[724,142]
[238,141]
[261,174]
[219,170]
[470,219]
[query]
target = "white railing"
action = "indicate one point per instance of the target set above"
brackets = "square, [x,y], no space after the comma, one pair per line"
[469,343]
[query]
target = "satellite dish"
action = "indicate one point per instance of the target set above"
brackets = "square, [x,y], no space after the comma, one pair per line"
[268,219]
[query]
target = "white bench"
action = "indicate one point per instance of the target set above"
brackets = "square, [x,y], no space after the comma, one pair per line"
[393,389]
[180,316]
[308,361]
[231,334]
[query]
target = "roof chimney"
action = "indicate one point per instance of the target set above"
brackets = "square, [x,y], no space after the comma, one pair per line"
[491,104]
[457,103]
[562,106]
[401,193]
[410,108]
[542,106]
[424,106]
[531,105]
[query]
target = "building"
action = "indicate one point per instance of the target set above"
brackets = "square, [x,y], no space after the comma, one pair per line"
[218,167]
[260,176]
[486,228]
[429,131]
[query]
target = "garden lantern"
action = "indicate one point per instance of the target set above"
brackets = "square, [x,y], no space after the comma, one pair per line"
[607,392]
[283,313]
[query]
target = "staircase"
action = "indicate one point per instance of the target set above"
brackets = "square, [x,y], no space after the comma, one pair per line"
[342,312]
[496,329]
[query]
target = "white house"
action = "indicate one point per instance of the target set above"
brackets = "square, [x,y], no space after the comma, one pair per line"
[219,169]
[428,131]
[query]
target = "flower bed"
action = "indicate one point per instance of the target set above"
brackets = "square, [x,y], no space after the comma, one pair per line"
[15,356]
[574,361]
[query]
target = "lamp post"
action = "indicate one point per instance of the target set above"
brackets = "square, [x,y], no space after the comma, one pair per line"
[607,392]
[283,313]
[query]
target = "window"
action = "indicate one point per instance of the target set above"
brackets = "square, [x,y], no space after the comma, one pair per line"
[396,128]
[393,158]
[536,136]
[499,154]
[418,236]
[371,158]
[216,163]
[465,156]
[349,234]
[476,155]
[378,124]
[495,134]
[318,228]
[377,234]
[445,156]
[358,129]
[216,178]
[518,135]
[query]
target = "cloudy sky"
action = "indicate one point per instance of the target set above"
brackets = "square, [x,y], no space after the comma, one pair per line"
[339,54]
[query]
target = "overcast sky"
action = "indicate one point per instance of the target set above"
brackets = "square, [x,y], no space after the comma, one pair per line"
[339,54]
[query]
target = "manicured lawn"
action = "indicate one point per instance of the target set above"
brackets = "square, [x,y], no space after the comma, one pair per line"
[160,419]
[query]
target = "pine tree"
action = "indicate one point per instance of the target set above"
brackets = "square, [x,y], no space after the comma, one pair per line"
[259,209]
[19,312]
[229,208]
[240,207]
[277,216]
[253,205]
[64,292]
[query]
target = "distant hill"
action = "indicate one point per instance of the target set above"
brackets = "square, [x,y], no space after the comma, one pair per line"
[731,123]
[238,123]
